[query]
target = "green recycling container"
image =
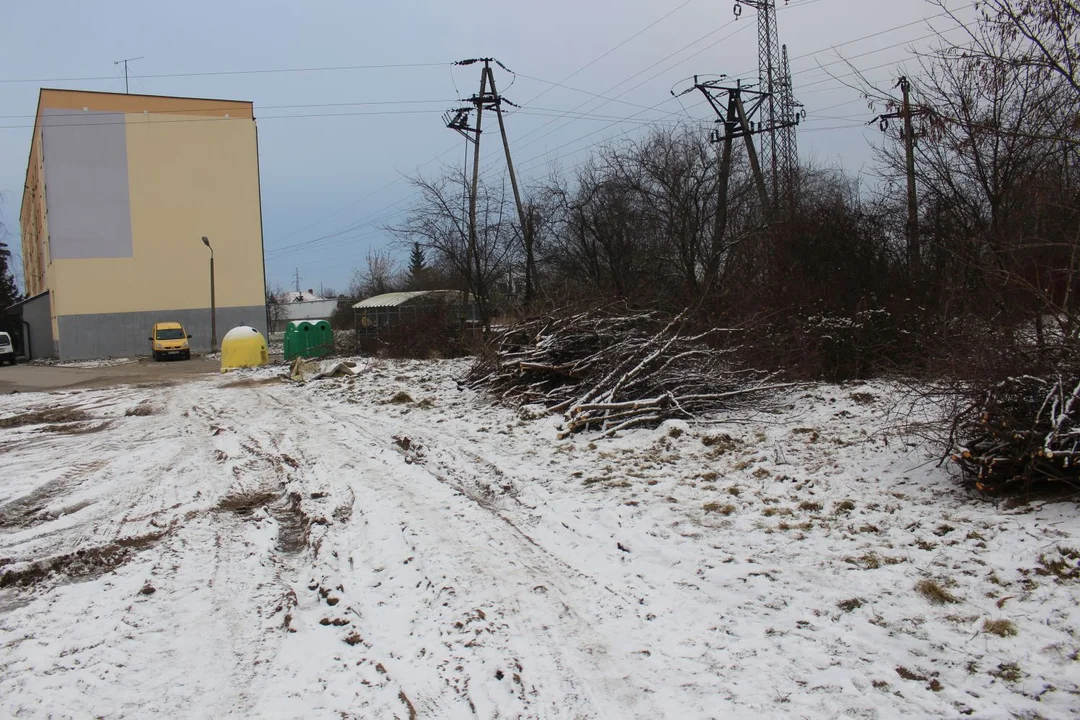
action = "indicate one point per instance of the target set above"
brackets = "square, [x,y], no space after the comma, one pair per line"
[323,344]
[308,340]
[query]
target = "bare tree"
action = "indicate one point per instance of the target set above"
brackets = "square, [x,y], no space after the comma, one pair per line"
[380,276]
[994,158]
[439,223]
[274,310]
[1035,34]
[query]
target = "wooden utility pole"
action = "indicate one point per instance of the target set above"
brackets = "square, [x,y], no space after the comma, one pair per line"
[908,114]
[472,256]
[525,223]
[490,99]
[914,249]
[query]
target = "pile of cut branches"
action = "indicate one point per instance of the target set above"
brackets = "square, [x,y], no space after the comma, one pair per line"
[1021,434]
[610,369]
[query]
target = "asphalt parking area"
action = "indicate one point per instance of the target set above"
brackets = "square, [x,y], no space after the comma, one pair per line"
[45,378]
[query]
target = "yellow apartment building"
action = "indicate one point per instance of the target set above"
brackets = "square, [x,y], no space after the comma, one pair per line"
[120,190]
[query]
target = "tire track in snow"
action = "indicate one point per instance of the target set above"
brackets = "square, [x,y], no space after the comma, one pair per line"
[213,614]
[469,578]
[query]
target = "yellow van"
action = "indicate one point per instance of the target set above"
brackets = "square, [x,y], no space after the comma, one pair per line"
[170,340]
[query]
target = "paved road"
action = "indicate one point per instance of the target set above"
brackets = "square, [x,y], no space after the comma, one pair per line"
[43,378]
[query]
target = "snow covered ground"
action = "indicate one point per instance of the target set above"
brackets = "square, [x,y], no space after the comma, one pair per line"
[392,546]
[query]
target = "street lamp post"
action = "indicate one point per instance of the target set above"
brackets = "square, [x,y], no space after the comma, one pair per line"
[213,302]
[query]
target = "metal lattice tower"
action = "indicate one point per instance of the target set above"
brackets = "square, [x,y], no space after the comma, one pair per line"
[788,148]
[779,114]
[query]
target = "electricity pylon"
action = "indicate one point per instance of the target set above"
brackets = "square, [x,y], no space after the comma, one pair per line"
[780,113]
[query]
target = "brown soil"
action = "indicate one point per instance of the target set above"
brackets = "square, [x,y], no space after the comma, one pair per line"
[250,383]
[79,566]
[243,503]
[78,428]
[45,417]
[141,410]
[293,525]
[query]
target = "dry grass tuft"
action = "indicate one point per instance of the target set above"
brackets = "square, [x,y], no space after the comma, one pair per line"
[720,444]
[844,507]
[850,604]
[1001,628]
[909,675]
[401,398]
[1009,672]
[810,506]
[936,594]
[715,507]
[1064,567]
[867,561]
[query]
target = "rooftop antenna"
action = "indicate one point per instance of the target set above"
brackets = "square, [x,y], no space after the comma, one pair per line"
[126,61]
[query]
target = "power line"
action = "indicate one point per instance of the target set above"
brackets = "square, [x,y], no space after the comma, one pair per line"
[528,163]
[221,108]
[884,32]
[101,122]
[452,149]
[654,76]
[257,71]
[609,52]
[151,123]
[448,151]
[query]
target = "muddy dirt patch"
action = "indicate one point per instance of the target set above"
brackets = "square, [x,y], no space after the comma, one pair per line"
[51,416]
[141,410]
[293,525]
[78,428]
[244,502]
[79,566]
[253,382]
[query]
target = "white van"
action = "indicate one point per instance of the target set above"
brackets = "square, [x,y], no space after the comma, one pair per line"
[7,350]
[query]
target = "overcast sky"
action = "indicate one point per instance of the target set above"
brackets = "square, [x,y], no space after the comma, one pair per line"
[330,183]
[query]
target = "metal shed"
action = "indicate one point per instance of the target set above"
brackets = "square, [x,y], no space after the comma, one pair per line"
[385,313]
